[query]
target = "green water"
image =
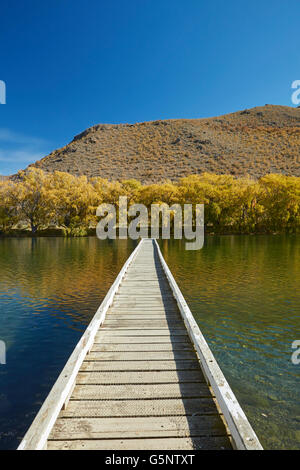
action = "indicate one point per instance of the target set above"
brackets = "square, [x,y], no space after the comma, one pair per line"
[243,291]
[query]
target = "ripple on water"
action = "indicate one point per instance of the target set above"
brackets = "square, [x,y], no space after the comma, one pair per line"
[244,294]
[49,291]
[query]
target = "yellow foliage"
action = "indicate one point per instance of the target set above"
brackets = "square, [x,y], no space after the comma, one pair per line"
[237,205]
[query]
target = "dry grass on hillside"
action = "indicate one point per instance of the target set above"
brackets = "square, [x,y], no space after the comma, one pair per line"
[251,142]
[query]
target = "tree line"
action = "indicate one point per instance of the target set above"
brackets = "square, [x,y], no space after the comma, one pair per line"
[36,200]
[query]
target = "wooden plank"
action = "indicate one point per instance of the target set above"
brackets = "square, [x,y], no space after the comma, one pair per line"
[139,278]
[144,311]
[139,365]
[153,286]
[141,286]
[139,316]
[143,377]
[144,289]
[129,323]
[142,304]
[141,356]
[155,282]
[144,292]
[142,275]
[110,408]
[144,298]
[108,428]
[145,315]
[104,332]
[141,347]
[134,323]
[128,339]
[186,443]
[140,391]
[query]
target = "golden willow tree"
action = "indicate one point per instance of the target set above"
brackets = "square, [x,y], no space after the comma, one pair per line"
[72,202]
[28,199]
[38,200]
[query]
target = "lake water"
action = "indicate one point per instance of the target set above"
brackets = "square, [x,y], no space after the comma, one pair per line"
[242,290]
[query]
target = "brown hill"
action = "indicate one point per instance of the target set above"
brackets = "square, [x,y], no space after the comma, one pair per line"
[251,142]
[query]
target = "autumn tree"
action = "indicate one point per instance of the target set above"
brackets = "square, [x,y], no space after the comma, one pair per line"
[73,202]
[281,200]
[8,210]
[29,197]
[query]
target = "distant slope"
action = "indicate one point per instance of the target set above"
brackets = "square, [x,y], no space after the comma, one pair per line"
[254,142]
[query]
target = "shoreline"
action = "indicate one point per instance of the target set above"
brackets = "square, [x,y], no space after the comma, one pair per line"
[52,233]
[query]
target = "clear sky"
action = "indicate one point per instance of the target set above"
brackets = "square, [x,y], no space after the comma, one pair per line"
[70,64]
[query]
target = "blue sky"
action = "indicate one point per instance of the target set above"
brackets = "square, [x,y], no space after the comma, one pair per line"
[70,64]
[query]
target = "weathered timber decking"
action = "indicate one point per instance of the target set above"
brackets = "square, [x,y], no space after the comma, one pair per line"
[139,380]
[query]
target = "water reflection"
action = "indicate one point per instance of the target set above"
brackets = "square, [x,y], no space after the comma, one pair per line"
[244,294]
[243,291]
[49,290]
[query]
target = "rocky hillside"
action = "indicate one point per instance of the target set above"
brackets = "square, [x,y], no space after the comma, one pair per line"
[251,142]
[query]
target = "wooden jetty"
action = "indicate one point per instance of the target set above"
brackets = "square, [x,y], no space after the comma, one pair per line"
[142,376]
